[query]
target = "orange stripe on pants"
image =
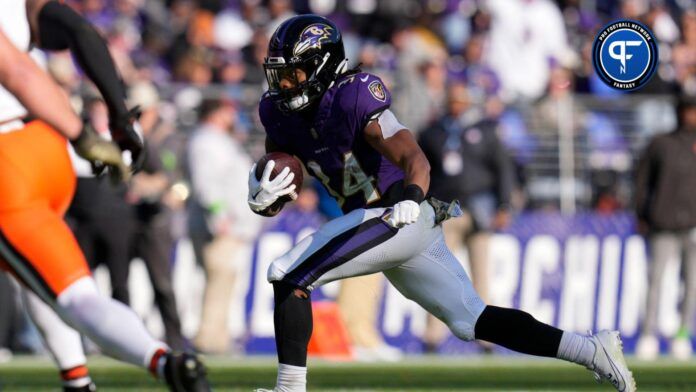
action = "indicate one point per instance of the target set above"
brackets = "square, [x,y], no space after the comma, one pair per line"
[37,183]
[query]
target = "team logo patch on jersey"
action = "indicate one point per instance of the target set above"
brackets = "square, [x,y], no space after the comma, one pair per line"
[625,55]
[377,90]
[312,37]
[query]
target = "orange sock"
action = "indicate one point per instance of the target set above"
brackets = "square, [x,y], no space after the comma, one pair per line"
[156,362]
[77,376]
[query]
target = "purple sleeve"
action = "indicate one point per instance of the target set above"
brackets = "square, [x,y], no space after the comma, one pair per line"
[371,98]
[268,115]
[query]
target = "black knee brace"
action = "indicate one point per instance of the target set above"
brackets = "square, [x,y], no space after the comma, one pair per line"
[292,318]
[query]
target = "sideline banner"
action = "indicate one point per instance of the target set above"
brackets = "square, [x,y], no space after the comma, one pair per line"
[581,272]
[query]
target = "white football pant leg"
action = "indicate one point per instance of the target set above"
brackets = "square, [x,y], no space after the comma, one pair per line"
[436,281]
[113,326]
[63,342]
[375,246]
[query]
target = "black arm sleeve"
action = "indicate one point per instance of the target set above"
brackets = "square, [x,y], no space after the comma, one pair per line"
[60,27]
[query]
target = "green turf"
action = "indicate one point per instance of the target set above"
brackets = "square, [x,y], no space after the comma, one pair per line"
[415,374]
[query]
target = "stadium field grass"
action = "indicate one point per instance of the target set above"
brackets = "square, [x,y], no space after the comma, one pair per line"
[417,374]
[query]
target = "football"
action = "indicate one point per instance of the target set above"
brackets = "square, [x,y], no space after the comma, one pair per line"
[282,160]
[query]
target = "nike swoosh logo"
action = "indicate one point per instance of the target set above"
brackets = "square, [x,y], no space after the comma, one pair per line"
[618,380]
[365,78]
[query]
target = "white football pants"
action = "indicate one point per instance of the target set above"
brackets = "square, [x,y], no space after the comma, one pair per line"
[414,258]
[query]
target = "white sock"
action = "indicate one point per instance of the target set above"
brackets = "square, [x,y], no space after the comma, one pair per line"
[291,378]
[576,348]
[63,342]
[114,327]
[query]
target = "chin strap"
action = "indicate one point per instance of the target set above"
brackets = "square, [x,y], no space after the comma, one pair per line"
[342,68]
[323,63]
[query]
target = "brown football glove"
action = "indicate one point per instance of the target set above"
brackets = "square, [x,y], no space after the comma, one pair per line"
[101,154]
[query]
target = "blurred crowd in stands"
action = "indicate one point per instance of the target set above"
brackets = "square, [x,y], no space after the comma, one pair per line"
[517,60]
[514,50]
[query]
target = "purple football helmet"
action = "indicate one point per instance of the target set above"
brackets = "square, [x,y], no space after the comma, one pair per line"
[308,42]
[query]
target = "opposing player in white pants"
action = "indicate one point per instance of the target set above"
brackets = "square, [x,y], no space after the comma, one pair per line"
[63,343]
[37,183]
[338,123]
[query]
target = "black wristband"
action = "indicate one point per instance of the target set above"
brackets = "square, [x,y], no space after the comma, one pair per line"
[414,192]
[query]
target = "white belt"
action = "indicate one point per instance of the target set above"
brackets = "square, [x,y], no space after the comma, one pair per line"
[12,125]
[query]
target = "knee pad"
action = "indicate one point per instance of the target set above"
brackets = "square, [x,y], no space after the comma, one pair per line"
[76,293]
[78,288]
[463,324]
[275,272]
[462,329]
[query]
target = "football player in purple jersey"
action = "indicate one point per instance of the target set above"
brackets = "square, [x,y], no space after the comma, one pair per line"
[338,123]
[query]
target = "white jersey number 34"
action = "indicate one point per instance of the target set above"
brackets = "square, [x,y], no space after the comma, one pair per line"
[354,180]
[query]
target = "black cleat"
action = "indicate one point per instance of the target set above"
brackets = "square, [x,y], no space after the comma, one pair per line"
[184,372]
[86,388]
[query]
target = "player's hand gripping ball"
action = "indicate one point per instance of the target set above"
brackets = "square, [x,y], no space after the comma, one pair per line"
[274,180]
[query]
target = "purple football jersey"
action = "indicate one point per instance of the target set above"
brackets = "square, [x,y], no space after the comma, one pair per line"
[331,144]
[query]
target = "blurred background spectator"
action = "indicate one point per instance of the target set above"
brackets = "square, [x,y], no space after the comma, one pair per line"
[526,38]
[666,210]
[153,200]
[99,215]
[359,299]
[469,164]
[220,226]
